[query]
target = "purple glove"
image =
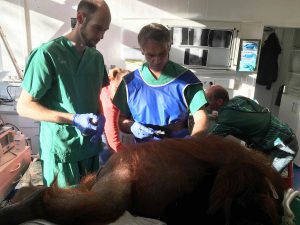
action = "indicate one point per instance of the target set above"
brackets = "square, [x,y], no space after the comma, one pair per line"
[84,122]
[100,127]
[140,131]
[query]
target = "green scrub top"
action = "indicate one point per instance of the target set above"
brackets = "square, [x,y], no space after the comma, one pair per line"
[62,79]
[245,119]
[194,94]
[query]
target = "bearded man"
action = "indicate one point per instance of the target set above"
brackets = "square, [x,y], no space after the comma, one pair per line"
[62,82]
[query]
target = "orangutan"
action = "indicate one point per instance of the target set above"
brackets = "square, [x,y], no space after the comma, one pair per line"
[178,181]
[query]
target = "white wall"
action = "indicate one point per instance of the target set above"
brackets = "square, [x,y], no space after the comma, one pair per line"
[51,18]
[267,97]
[13,26]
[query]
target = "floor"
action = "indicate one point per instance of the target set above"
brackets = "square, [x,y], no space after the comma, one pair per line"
[296,178]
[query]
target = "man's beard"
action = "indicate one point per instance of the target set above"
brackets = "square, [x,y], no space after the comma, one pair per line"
[85,39]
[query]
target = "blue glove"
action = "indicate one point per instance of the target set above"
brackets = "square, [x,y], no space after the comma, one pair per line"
[85,123]
[100,127]
[140,131]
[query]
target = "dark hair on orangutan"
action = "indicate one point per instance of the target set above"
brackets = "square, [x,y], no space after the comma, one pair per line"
[156,32]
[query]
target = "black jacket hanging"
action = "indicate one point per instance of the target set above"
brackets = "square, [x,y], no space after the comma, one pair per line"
[268,62]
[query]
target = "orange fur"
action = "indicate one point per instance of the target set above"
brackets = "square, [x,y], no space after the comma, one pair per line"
[179,181]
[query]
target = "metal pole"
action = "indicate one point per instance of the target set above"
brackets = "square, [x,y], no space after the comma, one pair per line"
[27,26]
[12,57]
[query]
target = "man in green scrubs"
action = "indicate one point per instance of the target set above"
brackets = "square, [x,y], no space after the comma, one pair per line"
[245,119]
[61,87]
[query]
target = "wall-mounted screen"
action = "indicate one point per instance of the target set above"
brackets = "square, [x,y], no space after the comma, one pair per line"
[248,55]
[195,56]
[195,36]
[202,47]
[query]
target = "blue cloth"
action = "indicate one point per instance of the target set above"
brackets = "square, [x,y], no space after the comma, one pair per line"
[159,105]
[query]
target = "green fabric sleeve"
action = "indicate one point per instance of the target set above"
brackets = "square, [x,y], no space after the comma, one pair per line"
[39,65]
[220,130]
[195,97]
[105,78]
[120,99]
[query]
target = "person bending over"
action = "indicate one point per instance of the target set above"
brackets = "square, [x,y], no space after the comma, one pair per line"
[247,120]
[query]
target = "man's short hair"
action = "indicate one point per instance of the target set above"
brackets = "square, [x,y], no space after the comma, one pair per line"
[89,7]
[156,32]
[221,93]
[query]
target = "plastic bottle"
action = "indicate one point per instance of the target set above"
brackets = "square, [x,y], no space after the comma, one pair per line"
[20,141]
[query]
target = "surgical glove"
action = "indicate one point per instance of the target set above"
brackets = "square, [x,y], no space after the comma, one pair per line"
[100,127]
[85,123]
[140,131]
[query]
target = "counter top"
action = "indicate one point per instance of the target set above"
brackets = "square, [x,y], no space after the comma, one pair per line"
[8,108]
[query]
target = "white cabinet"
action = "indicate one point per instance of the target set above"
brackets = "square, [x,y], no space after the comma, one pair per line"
[289,113]
[293,84]
[30,128]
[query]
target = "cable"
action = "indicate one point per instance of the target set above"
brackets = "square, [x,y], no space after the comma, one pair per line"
[7,90]
[10,124]
[1,121]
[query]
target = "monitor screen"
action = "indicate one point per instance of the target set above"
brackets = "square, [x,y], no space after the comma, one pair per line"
[248,55]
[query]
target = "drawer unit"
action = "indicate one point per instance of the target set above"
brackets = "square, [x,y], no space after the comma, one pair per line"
[12,171]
